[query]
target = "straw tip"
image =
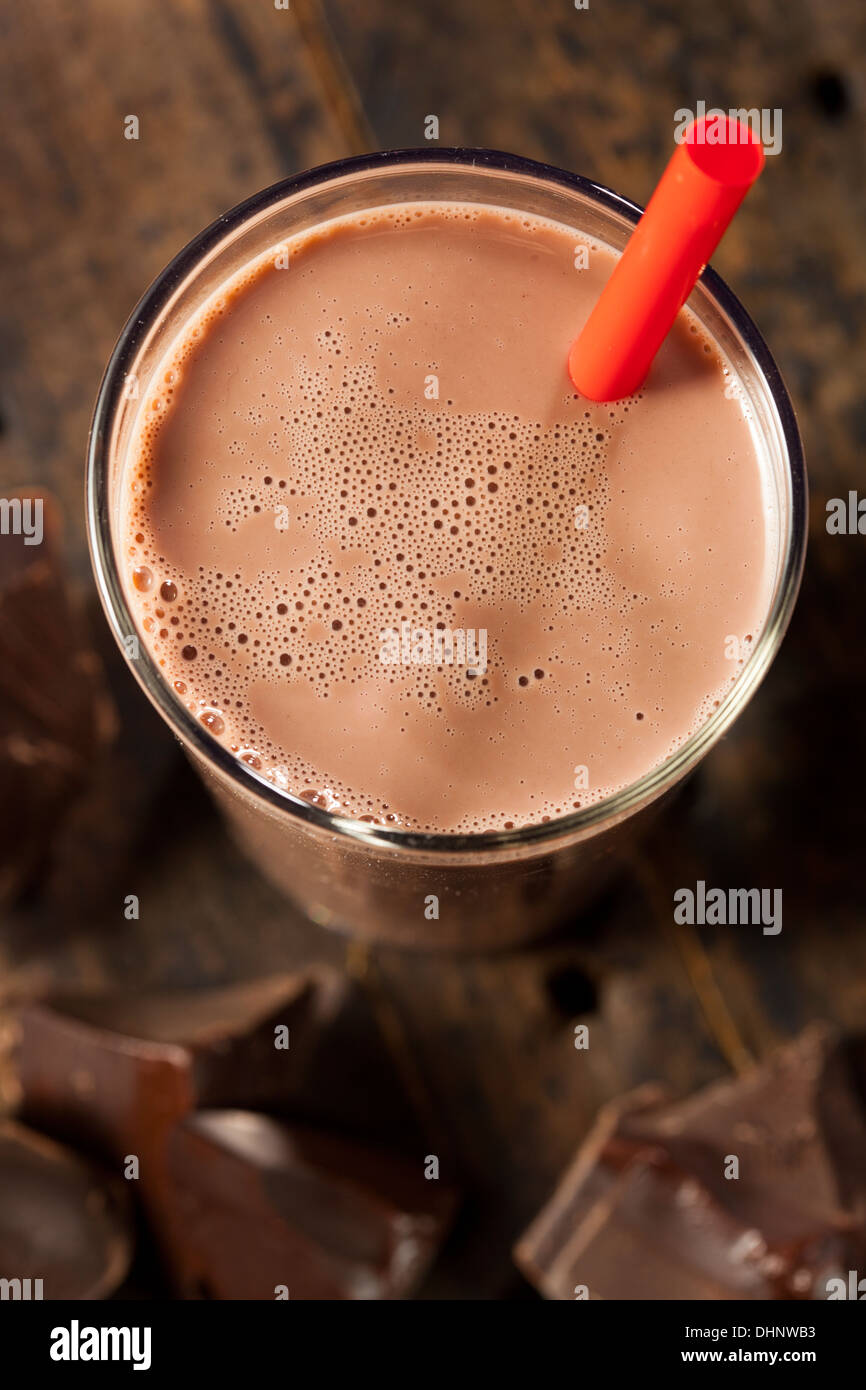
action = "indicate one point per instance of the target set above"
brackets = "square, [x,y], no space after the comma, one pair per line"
[591,382]
[575,366]
[725,149]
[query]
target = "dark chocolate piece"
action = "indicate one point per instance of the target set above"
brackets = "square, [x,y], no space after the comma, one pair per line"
[269,1210]
[65,1229]
[112,1072]
[646,1210]
[796,1125]
[116,1075]
[126,815]
[54,712]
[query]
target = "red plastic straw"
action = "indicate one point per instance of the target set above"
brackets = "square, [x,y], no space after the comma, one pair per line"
[698,194]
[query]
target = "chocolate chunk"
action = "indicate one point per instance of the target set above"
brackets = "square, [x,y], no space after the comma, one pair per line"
[54,713]
[117,824]
[796,1125]
[101,1071]
[116,1075]
[651,1208]
[270,1210]
[65,1228]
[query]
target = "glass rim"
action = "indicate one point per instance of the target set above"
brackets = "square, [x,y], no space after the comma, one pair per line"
[193,735]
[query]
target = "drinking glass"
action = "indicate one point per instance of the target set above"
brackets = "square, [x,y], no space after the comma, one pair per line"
[430,891]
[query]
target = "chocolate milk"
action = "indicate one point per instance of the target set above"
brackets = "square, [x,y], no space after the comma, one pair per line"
[387,557]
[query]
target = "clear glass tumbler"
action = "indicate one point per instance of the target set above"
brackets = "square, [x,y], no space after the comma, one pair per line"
[428,890]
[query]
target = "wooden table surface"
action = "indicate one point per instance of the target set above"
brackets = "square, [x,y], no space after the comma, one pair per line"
[234,94]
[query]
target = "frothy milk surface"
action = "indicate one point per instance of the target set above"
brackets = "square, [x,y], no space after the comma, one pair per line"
[383,552]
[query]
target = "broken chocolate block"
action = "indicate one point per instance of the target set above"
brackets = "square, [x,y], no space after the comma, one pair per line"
[116,1075]
[119,819]
[753,1188]
[54,713]
[268,1210]
[104,1072]
[65,1229]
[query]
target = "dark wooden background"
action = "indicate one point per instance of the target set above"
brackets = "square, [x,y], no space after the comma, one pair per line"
[234,94]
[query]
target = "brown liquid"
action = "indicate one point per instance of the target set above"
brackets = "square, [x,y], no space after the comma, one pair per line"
[300,489]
